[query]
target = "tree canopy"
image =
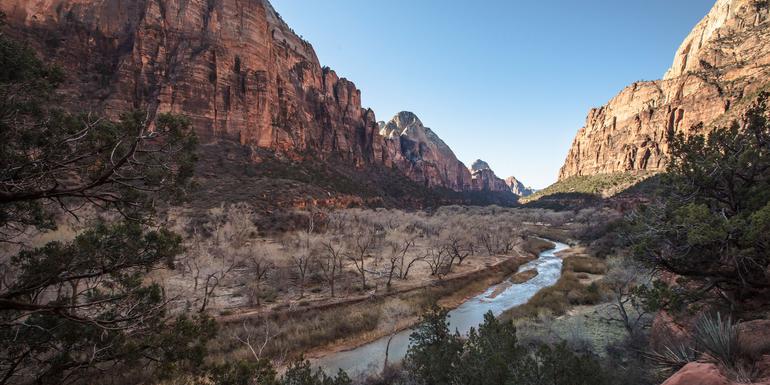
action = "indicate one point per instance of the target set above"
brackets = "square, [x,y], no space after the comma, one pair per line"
[711,225]
[74,307]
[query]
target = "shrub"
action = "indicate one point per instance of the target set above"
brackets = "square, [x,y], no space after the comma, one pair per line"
[492,356]
[674,357]
[558,365]
[718,337]
[243,372]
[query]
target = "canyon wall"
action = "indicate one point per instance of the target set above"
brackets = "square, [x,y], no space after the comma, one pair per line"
[234,67]
[723,62]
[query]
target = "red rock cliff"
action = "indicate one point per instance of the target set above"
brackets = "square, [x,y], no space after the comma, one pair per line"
[233,66]
[724,60]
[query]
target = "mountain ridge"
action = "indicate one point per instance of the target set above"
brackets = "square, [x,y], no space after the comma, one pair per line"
[236,69]
[719,64]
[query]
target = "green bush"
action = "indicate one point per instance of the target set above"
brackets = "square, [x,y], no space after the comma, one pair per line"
[491,355]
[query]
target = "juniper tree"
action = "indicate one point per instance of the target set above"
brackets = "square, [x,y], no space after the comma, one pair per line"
[72,307]
[711,225]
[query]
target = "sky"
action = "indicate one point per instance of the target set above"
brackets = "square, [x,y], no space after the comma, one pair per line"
[506,81]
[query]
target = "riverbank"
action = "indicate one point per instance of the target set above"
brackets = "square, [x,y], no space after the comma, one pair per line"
[342,324]
[578,285]
[574,310]
[370,357]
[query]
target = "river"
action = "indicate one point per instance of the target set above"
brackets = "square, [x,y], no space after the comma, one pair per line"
[370,357]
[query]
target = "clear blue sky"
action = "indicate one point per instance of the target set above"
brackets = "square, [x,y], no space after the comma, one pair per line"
[506,81]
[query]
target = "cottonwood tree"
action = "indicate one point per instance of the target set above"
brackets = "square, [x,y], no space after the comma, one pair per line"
[192,261]
[413,256]
[458,246]
[259,259]
[301,249]
[498,239]
[70,308]
[237,226]
[397,246]
[209,263]
[223,265]
[438,259]
[331,261]
[361,244]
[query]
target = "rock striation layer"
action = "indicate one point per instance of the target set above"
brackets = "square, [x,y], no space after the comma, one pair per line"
[722,62]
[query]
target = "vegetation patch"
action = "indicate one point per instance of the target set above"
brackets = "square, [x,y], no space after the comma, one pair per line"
[601,185]
[568,291]
[585,264]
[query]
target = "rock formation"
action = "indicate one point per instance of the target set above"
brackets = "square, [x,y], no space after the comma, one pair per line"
[518,188]
[484,179]
[234,67]
[722,63]
[422,155]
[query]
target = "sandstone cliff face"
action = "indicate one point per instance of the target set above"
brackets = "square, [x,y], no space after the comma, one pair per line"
[484,179]
[422,155]
[236,69]
[233,66]
[518,188]
[724,60]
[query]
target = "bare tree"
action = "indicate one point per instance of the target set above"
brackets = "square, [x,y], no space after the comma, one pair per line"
[397,247]
[259,258]
[192,261]
[438,259]
[413,258]
[255,340]
[361,244]
[223,264]
[300,248]
[458,248]
[623,277]
[331,261]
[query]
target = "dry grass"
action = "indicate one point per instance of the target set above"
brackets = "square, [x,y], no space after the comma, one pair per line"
[568,291]
[314,331]
[524,276]
[585,264]
[557,299]
[536,246]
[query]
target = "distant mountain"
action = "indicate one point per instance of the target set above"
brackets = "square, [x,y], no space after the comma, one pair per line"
[422,155]
[518,188]
[723,62]
[484,179]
